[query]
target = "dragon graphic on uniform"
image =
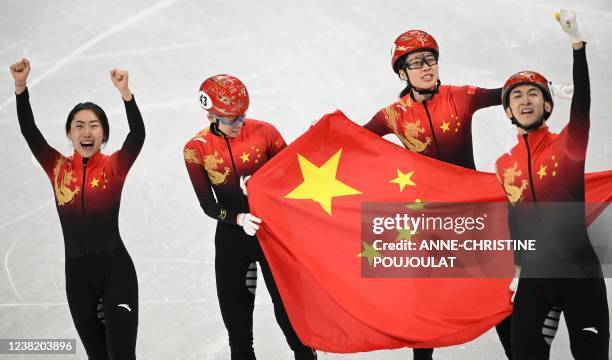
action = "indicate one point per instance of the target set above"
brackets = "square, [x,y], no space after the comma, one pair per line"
[411,131]
[211,163]
[63,193]
[513,192]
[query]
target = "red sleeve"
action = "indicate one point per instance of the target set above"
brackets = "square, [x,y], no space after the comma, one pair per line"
[43,152]
[274,141]
[378,124]
[203,188]
[477,98]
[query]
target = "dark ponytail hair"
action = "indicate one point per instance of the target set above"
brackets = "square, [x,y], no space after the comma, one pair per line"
[100,114]
[406,90]
[400,63]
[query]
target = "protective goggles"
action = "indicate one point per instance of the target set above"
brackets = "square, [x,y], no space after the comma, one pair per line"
[230,122]
[418,61]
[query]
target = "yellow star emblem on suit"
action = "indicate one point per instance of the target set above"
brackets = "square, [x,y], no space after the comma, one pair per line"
[403,179]
[542,171]
[444,126]
[94,183]
[369,252]
[244,157]
[320,183]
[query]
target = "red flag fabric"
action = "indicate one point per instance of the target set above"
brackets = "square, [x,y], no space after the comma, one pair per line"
[309,197]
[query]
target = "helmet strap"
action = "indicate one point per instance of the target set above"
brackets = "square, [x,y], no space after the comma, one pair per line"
[531,127]
[433,91]
[423,92]
[216,129]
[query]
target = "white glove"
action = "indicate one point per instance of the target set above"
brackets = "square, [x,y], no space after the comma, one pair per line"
[567,19]
[563,91]
[249,223]
[514,283]
[243,181]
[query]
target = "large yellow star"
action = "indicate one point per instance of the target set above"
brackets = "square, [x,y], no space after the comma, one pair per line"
[542,171]
[444,126]
[94,183]
[369,252]
[320,184]
[244,157]
[403,179]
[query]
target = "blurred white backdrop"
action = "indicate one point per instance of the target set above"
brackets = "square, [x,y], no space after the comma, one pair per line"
[299,60]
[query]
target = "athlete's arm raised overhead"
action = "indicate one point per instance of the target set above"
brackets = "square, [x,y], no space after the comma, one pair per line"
[135,139]
[36,141]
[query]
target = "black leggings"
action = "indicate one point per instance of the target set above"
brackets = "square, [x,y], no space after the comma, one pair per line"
[585,307]
[109,276]
[503,331]
[234,252]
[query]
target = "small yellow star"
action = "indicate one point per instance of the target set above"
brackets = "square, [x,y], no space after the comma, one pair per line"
[554,173]
[94,183]
[404,234]
[244,157]
[444,126]
[542,171]
[403,179]
[556,164]
[418,205]
[369,252]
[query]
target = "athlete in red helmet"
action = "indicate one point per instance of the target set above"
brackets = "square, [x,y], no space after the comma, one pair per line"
[219,160]
[429,118]
[542,168]
[432,119]
[87,186]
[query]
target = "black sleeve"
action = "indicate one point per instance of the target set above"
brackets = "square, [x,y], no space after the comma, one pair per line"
[135,138]
[44,153]
[203,189]
[578,127]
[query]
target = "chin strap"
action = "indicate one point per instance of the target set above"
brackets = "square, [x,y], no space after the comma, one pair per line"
[531,127]
[433,91]
[215,128]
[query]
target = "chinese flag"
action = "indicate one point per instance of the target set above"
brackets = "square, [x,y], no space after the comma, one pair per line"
[310,196]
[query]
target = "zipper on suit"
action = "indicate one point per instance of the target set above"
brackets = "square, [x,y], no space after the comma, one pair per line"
[229,148]
[83,206]
[433,133]
[533,194]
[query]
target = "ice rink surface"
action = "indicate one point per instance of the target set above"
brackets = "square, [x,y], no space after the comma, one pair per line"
[299,60]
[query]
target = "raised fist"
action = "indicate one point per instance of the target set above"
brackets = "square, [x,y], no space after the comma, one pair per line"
[120,80]
[20,71]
